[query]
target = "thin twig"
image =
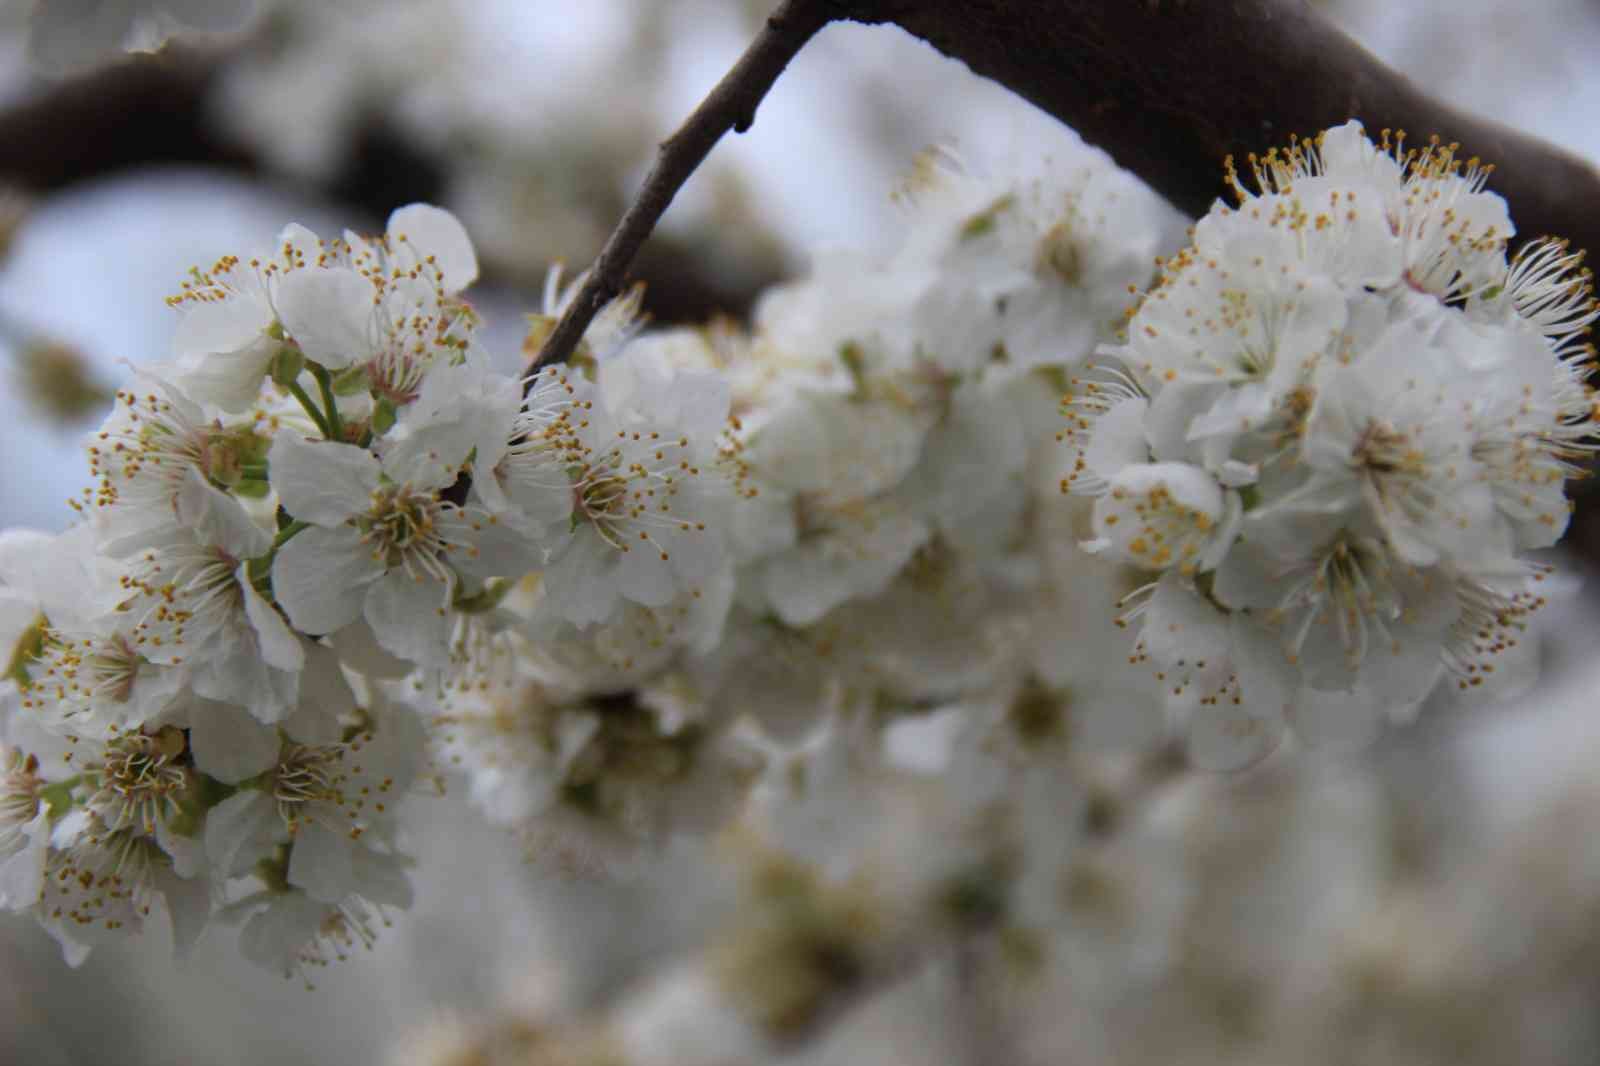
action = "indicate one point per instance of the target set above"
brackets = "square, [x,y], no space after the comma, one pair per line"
[730,106]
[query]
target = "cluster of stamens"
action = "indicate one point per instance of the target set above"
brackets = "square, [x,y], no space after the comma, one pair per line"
[139,780]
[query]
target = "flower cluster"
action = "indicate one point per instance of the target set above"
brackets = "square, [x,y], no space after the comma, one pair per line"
[298,519]
[889,537]
[1332,429]
[785,578]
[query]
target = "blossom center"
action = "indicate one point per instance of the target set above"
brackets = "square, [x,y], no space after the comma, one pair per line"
[402,528]
[307,775]
[139,779]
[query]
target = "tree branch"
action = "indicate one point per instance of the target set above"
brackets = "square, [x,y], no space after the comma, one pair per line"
[730,106]
[1171,87]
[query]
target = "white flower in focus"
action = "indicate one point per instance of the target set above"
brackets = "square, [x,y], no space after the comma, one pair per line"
[329,802]
[230,332]
[530,471]
[46,577]
[1386,434]
[151,447]
[1160,515]
[1332,200]
[647,495]
[388,305]
[1346,609]
[94,678]
[1391,412]
[382,542]
[196,597]
[24,829]
[289,931]
[102,884]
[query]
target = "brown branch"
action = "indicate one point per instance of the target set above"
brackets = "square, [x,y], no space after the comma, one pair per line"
[1171,87]
[730,106]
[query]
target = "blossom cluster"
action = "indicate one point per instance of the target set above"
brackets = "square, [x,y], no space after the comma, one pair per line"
[202,711]
[332,555]
[811,584]
[1331,432]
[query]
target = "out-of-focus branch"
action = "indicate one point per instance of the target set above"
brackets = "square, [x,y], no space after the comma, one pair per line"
[152,110]
[730,106]
[149,110]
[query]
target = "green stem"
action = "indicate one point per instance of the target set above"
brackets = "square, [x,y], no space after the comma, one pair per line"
[335,428]
[261,565]
[288,531]
[311,408]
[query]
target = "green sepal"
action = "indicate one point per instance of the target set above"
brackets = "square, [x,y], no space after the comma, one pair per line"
[352,381]
[30,647]
[57,797]
[286,366]
[253,488]
[855,361]
[383,416]
[489,597]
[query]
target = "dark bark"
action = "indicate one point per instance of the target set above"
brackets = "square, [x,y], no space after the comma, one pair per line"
[1170,88]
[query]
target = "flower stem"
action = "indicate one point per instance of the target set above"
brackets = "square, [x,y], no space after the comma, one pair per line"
[335,428]
[731,105]
[310,407]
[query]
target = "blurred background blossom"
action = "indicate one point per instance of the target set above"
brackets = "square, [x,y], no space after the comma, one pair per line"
[1434,900]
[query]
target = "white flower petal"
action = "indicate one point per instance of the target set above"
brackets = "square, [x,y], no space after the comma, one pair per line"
[230,381]
[240,830]
[358,648]
[325,697]
[279,647]
[329,313]
[411,617]
[320,863]
[323,482]
[320,578]
[435,232]
[221,327]
[229,744]
[22,872]
[218,520]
